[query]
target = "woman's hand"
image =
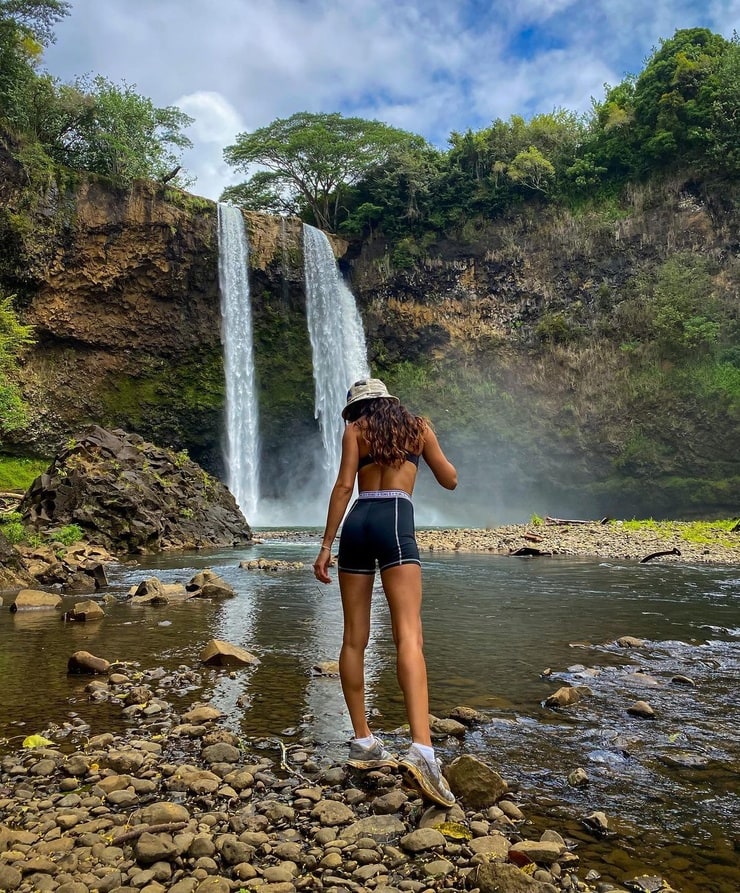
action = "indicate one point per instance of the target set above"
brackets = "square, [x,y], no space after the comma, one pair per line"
[321,565]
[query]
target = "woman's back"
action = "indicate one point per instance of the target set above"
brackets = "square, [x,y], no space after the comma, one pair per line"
[371,475]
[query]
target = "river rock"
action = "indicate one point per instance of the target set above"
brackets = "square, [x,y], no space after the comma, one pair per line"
[377,826]
[79,583]
[567,695]
[163,812]
[578,777]
[682,759]
[466,715]
[84,611]
[331,813]
[264,564]
[168,501]
[31,599]
[195,780]
[475,782]
[630,642]
[443,728]
[422,839]
[326,668]
[543,851]
[201,713]
[490,845]
[208,584]
[641,709]
[10,877]
[83,662]
[221,752]
[597,821]
[500,877]
[222,654]
[151,848]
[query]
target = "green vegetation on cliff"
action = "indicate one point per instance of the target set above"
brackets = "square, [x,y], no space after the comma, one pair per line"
[680,110]
[15,338]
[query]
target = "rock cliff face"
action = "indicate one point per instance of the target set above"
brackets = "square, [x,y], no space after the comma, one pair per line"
[562,423]
[122,289]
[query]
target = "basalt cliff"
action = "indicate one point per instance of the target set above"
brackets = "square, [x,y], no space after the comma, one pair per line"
[121,287]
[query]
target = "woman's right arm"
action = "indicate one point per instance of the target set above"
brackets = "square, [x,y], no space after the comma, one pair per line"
[338,501]
[442,469]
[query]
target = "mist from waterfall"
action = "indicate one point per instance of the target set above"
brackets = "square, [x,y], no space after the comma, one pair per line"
[337,344]
[242,417]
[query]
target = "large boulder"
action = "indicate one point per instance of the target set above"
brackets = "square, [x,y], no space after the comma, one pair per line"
[35,599]
[132,496]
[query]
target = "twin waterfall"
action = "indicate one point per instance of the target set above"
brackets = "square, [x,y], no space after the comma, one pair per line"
[338,351]
[242,424]
[337,342]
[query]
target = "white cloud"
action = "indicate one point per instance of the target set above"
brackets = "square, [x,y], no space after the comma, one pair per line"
[430,67]
[215,125]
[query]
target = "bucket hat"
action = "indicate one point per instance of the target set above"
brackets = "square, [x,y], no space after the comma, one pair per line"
[367,389]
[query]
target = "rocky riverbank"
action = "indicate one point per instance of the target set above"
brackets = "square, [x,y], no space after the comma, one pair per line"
[681,541]
[182,804]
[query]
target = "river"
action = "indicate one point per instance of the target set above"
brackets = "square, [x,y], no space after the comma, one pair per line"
[493,626]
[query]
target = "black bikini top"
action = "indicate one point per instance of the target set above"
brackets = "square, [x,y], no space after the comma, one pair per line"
[368,460]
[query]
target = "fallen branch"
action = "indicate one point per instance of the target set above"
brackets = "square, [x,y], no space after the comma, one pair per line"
[150,829]
[673,551]
[284,760]
[564,521]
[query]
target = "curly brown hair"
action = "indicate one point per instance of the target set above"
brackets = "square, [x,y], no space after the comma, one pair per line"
[389,428]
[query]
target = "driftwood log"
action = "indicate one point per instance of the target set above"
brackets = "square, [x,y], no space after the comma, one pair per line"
[564,521]
[673,551]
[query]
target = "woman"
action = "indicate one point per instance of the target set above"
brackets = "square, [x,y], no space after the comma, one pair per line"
[381,447]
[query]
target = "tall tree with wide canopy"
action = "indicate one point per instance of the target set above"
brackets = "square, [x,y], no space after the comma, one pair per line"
[307,160]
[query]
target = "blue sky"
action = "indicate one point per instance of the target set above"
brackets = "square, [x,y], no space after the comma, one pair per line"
[428,66]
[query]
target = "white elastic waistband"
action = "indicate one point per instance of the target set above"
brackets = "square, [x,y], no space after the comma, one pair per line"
[384,494]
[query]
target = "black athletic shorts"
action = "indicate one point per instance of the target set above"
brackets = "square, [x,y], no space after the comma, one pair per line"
[379,527]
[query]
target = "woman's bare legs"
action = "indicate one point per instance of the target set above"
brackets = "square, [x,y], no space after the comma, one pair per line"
[402,586]
[356,591]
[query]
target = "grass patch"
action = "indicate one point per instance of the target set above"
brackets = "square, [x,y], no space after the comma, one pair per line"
[714,533]
[19,474]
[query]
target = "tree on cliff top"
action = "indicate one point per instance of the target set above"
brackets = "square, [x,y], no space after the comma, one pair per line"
[308,159]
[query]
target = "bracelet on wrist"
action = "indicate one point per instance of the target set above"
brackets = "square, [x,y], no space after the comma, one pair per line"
[328,548]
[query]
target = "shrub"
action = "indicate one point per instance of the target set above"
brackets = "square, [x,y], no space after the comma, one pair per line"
[14,532]
[68,535]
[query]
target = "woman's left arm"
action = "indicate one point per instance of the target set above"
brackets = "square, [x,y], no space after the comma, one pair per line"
[338,501]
